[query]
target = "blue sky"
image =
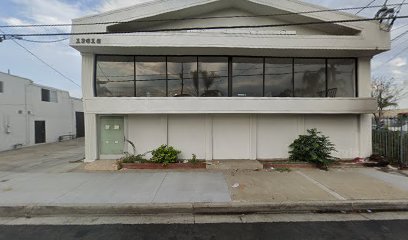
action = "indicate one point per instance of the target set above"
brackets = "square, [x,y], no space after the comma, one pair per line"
[68,60]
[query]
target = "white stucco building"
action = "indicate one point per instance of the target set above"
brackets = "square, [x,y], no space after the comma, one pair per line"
[33,114]
[245,92]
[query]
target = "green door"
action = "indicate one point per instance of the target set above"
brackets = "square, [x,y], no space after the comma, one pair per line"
[111,135]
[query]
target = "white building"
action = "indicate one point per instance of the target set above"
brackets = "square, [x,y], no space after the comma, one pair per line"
[32,114]
[240,93]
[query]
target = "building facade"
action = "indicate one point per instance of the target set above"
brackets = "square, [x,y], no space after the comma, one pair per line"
[226,79]
[33,114]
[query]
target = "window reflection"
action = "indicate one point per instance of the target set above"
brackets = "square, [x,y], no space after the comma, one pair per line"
[310,77]
[115,76]
[341,77]
[278,77]
[247,77]
[192,76]
[213,76]
[182,76]
[151,77]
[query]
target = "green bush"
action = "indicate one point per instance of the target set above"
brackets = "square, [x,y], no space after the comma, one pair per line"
[165,154]
[140,158]
[193,159]
[314,148]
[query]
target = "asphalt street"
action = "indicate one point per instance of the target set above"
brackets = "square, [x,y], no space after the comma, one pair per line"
[372,230]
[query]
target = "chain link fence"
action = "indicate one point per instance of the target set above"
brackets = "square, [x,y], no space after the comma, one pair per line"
[390,139]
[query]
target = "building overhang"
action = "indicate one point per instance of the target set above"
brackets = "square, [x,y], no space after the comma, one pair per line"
[131,30]
[230,105]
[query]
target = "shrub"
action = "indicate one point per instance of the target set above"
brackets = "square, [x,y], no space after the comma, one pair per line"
[165,154]
[193,159]
[314,148]
[140,158]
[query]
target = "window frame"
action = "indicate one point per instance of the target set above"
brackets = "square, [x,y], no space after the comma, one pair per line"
[47,97]
[230,63]
[50,95]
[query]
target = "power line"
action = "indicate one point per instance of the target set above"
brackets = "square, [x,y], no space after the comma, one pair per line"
[399,36]
[402,26]
[193,18]
[41,60]
[368,5]
[50,41]
[393,57]
[206,28]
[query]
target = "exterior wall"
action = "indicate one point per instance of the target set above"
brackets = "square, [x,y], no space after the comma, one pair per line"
[242,136]
[21,106]
[234,128]
[13,109]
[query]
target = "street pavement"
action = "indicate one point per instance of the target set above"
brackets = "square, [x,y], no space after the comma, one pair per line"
[371,226]
[47,158]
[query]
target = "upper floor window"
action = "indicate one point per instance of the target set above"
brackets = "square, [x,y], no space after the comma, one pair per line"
[182,77]
[115,76]
[49,95]
[310,77]
[151,80]
[341,77]
[213,76]
[219,76]
[247,77]
[279,77]
[1,87]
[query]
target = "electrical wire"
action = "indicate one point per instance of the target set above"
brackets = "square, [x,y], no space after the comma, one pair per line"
[204,28]
[393,57]
[44,62]
[399,36]
[193,18]
[402,26]
[50,41]
[368,5]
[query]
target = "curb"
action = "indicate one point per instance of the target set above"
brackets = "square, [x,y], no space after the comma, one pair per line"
[203,208]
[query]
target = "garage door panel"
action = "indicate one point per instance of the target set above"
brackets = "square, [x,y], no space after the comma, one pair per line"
[146,132]
[231,137]
[187,133]
[274,135]
[342,129]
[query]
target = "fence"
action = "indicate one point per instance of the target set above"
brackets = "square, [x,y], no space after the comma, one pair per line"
[390,139]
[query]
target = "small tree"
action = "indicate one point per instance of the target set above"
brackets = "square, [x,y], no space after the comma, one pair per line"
[387,93]
[314,148]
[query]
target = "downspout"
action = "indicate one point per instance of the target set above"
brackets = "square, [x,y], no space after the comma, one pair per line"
[73,122]
[28,133]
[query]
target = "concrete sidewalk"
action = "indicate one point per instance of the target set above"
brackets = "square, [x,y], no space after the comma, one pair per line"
[201,191]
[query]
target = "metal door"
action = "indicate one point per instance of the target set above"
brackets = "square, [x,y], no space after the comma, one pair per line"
[111,135]
[40,135]
[80,127]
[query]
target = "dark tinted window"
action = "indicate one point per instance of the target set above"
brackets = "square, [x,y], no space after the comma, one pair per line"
[247,77]
[341,77]
[115,76]
[45,95]
[213,76]
[278,77]
[151,77]
[1,87]
[310,77]
[182,76]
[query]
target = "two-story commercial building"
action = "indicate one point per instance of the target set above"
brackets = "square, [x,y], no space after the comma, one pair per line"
[34,114]
[226,79]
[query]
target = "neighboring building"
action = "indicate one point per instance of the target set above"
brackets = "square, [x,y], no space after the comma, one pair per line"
[31,114]
[393,113]
[242,93]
